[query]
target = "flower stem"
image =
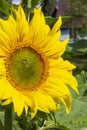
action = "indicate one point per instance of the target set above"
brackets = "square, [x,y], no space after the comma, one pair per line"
[24,121]
[8,118]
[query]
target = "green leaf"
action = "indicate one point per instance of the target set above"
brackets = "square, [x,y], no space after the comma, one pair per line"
[82,85]
[62,127]
[77,118]
[16,126]
[79,46]
[82,82]
[50,20]
[51,124]
[35,2]
[4,7]
[1,120]
[83,50]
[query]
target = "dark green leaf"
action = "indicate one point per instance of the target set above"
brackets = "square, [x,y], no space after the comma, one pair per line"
[1,126]
[82,82]
[79,46]
[50,20]
[16,126]
[4,7]
[1,120]
[35,2]
[77,118]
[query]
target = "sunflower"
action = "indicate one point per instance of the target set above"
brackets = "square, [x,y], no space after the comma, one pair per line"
[32,72]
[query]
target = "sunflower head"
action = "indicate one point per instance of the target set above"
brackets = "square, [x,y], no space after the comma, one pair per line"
[33,73]
[24,72]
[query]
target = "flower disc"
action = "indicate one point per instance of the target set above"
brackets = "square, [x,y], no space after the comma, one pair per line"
[25,67]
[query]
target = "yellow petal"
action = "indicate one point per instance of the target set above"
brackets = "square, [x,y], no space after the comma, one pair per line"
[4,41]
[59,88]
[22,24]
[34,107]
[61,64]
[9,28]
[7,101]
[6,90]
[55,48]
[26,109]
[56,26]
[38,29]
[59,91]
[18,103]
[67,101]
[45,102]
[2,68]
[65,77]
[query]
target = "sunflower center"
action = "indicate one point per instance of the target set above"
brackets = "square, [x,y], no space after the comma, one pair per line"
[26,67]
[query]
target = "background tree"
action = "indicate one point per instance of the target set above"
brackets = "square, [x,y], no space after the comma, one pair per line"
[78,10]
